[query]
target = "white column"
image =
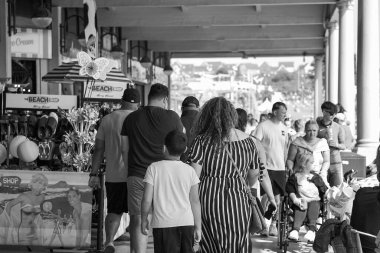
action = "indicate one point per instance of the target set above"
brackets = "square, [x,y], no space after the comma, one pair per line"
[124,58]
[327,61]
[368,78]
[56,54]
[333,61]
[347,89]
[318,85]
[5,45]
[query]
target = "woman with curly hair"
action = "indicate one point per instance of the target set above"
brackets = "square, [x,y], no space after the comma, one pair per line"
[226,210]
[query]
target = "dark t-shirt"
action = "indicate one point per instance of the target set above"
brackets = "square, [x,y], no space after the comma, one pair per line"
[146,129]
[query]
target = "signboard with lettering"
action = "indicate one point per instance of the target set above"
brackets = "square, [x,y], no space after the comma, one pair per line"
[31,43]
[45,208]
[40,101]
[105,90]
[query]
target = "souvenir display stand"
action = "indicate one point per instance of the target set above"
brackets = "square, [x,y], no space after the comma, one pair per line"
[35,136]
[98,98]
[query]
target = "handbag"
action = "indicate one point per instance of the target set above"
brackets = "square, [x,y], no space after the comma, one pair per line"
[257,221]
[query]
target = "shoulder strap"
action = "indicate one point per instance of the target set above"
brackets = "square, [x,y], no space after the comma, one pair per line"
[240,176]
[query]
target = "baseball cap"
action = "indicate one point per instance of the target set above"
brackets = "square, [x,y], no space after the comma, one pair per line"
[190,101]
[131,95]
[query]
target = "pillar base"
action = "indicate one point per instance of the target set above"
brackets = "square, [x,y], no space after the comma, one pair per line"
[367,149]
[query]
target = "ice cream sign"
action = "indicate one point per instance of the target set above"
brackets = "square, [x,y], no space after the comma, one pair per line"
[40,101]
[106,90]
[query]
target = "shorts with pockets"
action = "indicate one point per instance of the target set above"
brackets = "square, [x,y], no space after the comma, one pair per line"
[135,194]
[117,197]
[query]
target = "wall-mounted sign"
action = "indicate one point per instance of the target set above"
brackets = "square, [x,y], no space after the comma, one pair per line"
[105,90]
[40,101]
[31,43]
[52,209]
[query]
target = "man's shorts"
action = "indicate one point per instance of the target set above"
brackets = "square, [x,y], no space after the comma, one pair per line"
[278,180]
[135,194]
[117,197]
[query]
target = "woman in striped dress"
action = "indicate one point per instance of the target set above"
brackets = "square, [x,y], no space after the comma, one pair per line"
[225,206]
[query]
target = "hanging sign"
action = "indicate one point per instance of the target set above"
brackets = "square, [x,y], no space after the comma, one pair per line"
[105,90]
[40,101]
[31,43]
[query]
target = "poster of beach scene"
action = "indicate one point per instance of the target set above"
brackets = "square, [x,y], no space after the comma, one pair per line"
[45,208]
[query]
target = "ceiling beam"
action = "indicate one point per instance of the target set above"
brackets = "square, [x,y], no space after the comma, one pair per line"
[223,33]
[172,3]
[268,53]
[210,16]
[233,46]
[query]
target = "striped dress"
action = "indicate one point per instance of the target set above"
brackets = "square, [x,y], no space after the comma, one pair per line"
[224,201]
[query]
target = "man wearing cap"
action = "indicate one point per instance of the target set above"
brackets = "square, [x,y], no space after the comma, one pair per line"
[143,135]
[108,145]
[190,107]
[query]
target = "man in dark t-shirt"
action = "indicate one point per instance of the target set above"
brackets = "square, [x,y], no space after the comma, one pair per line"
[143,135]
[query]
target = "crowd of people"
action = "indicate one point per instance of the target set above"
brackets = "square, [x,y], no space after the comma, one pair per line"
[180,175]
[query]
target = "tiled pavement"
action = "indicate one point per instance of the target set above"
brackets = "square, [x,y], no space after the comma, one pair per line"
[261,245]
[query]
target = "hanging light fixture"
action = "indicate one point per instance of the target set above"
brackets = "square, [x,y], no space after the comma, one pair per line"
[82,39]
[168,70]
[146,62]
[117,52]
[42,16]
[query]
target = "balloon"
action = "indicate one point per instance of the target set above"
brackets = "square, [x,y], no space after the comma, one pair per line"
[16,141]
[28,151]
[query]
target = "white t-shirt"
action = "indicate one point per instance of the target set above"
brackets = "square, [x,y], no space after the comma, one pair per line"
[109,131]
[274,138]
[171,182]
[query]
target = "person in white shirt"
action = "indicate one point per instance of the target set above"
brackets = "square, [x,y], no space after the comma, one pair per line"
[273,135]
[172,186]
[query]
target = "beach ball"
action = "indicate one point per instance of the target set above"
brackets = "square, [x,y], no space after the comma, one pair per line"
[16,141]
[27,151]
[3,153]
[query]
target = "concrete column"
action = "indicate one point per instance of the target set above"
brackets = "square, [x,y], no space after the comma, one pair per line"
[368,78]
[5,49]
[124,58]
[5,43]
[333,61]
[56,52]
[327,67]
[347,89]
[318,85]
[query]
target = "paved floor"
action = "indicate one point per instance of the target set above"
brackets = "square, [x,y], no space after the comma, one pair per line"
[261,245]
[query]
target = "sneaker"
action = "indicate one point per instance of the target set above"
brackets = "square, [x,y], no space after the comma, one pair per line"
[109,249]
[293,235]
[273,229]
[264,232]
[310,236]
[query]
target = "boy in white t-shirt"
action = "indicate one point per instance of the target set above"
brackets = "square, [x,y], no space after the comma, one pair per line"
[173,187]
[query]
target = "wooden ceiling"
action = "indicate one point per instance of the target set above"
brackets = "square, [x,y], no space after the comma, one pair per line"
[219,28]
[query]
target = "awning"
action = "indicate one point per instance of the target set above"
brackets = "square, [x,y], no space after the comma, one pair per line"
[70,72]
